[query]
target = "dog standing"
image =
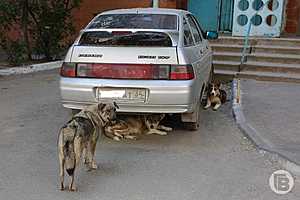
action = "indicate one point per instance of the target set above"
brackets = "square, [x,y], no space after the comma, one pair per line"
[129,127]
[215,96]
[79,136]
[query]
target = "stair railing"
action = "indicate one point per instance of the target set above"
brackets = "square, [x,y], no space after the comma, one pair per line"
[246,46]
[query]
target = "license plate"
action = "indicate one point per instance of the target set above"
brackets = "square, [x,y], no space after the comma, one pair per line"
[123,94]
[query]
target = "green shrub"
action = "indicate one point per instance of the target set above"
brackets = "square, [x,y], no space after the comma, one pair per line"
[16,52]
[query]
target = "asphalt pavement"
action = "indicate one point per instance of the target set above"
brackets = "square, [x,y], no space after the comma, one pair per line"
[273,110]
[216,162]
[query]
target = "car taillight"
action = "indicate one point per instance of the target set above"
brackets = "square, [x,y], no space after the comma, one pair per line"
[181,72]
[124,71]
[68,69]
[135,71]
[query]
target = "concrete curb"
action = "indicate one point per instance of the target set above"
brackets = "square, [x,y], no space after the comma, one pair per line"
[30,68]
[263,145]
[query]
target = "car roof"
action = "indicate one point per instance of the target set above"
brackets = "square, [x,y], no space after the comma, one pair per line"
[148,10]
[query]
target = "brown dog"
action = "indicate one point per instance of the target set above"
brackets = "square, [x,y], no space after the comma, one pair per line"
[80,135]
[129,127]
[215,96]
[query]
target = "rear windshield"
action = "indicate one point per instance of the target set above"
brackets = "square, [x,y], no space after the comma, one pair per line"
[135,21]
[119,38]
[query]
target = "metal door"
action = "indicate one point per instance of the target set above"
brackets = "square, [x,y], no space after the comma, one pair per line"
[265,17]
[206,12]
[226,14]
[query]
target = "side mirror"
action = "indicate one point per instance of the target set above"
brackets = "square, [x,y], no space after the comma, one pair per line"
[212,35]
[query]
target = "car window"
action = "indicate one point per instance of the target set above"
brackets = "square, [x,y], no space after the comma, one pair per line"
[195,30]
[135,21]
[202,33]
[187,35]
[125,38]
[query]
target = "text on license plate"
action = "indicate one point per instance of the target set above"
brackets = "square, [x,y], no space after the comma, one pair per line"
[122,94]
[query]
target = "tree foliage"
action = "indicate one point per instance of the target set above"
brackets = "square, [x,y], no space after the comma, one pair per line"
[45,25]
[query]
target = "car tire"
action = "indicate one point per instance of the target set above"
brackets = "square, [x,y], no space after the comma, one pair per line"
[194,126]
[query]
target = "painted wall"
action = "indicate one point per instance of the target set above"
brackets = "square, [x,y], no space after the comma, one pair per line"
[292,17]
[89,8]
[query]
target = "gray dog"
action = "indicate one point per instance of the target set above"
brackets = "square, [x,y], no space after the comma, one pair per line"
[79,136]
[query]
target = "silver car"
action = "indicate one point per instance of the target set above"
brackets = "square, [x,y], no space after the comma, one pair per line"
[147,60]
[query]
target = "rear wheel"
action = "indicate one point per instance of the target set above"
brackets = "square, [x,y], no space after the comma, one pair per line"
[195,125]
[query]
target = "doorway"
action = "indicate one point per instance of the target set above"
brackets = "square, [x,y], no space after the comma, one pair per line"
[213,15]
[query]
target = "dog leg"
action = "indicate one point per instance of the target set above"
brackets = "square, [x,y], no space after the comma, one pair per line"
[78,148]
[117,138]
[161,127]
[208,103]
[85,153]
[61,160]
[92,150]
[130,137]
[72,187]
[61,172]
[216,106]
[158,132]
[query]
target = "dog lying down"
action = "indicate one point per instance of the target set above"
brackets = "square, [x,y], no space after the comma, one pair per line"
[215,96]
[79,136]
[129,127]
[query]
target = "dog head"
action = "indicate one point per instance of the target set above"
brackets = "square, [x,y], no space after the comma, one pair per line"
[214,89]
[152,121]
[107,111]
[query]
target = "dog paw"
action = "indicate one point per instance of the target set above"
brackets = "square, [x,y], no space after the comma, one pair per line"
[73,189]
[61,188]
[162,133]
[131,137]
[116,138]
[215,108]
[94,166]
[206,107]
[168,129]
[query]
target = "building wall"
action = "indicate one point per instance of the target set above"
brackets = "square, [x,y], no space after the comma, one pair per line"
[292,17]
[89,8]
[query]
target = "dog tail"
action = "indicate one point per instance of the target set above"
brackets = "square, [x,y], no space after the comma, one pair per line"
[69,152]
[69,157]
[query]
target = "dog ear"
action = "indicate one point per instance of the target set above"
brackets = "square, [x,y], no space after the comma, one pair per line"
[101,106]
[116,105]
[218,83]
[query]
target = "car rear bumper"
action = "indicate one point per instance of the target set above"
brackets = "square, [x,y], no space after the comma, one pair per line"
[163,96]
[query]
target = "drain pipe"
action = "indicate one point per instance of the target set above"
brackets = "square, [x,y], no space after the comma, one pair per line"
[155,3]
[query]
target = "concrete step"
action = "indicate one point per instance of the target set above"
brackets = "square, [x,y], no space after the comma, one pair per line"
[258,57]
[263,76]
[224,74]
[270,76]
[236,48]
[270,67]
[274,58]
[276,49]
[257,66]
[289,42]
[227,56]
[227,48]
[226,65]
